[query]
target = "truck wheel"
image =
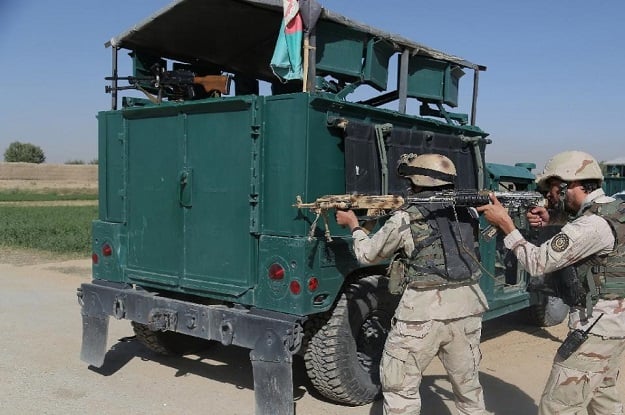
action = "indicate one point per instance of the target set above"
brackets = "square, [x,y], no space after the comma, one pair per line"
[548,311]
[343,356]
[168,343]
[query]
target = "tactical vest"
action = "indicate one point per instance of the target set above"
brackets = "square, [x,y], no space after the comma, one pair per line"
[444,253]
[603,276]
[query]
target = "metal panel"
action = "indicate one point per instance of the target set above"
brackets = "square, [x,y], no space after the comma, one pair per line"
[426,78]
[375,70]
[339,50]
[155,149]
[219,247]
[110,172]
[284,161]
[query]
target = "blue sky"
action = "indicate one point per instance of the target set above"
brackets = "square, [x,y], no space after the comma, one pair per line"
[554,80]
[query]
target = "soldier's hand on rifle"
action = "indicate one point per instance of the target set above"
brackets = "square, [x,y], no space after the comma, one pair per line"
[497,215]
[538,216]
[346,218]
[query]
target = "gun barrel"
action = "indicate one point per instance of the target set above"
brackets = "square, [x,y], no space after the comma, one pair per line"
[474,198]
[130,78]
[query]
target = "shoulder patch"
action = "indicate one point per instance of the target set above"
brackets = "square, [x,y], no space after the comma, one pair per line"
[560,242]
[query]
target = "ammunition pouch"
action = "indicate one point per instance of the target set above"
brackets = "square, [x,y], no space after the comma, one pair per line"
[397,275]
[611,281]
[566,284]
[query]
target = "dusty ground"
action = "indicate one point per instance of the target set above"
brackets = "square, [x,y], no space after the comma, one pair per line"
[42,372]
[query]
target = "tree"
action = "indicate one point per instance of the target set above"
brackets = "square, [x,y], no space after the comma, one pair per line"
[24,152]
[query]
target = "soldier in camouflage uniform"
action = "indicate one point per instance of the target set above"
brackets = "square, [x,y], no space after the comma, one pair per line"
[436,316]
[594,243]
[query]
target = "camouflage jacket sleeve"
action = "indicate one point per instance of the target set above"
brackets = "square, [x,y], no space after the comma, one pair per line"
[585,236]
[393,236]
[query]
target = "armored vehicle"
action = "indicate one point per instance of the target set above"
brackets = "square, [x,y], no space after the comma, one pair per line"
[226,119]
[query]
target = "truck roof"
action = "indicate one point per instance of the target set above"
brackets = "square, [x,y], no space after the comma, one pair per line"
[238,34]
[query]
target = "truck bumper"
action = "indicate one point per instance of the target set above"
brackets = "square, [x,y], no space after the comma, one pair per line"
[272,337]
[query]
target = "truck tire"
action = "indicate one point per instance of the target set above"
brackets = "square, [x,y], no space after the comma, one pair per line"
[168,343]
[343,357]
[548,311]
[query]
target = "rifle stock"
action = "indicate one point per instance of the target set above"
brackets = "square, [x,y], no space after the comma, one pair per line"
[214,83]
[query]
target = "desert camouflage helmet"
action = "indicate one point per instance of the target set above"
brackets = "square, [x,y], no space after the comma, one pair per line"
[570,166]
[427,170]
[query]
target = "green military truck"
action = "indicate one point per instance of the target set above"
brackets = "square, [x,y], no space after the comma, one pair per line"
[197,239]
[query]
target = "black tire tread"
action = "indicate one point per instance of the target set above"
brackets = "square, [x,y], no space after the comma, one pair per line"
[333,347]
[167,343]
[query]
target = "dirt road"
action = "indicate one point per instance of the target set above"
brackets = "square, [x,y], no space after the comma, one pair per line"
[42,373]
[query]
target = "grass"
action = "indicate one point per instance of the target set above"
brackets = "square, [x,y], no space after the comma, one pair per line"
[62,229]
[16,195]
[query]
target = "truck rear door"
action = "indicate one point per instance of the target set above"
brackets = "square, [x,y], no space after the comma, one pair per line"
[189,205]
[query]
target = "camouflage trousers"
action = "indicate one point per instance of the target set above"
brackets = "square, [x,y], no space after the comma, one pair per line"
[586,381]
[409,349]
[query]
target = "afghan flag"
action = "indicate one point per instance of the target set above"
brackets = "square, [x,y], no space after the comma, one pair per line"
[286,62]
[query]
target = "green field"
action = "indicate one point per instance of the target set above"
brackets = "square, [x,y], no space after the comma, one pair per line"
[60,229]
[20,195]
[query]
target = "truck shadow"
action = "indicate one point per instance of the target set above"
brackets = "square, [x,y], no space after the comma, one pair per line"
[231,364]
[500,397]
[516,321]
[224,364]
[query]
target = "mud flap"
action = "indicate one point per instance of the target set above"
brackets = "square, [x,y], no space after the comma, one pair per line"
[94,336]
[273,376]
[95,325]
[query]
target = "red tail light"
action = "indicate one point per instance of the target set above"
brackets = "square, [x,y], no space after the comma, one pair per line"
[295,287]
[276,272]
[107,250]
[94,258]
[313,283]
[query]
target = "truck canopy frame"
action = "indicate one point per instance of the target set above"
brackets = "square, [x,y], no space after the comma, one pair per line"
[239,36]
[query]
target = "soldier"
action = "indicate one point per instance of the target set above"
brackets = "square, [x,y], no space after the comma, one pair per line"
[593,242]
[440,311]
[555,213]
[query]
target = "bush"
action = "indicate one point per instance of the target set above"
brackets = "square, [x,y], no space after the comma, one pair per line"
[24,152]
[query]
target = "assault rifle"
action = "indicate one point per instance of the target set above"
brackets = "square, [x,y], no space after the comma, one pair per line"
[176,85]
[380,205]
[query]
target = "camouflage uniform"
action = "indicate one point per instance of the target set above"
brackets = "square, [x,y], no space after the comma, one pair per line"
[587,379]
[437,321]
